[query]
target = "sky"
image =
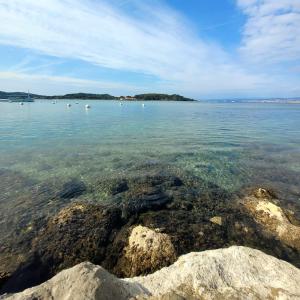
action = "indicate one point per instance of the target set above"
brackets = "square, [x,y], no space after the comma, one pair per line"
[198,48]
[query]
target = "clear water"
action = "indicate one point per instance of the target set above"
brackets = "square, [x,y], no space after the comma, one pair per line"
[233,145]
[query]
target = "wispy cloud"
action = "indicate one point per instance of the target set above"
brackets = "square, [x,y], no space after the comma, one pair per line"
[272,31]
[148,37]
[30,64]
[101,34]
[45,84]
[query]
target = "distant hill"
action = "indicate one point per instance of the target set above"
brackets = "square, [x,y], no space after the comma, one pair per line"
[87,96]
[82,96]
[16,95]
[164,97]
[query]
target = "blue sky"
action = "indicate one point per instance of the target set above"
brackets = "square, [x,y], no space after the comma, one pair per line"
[202,49]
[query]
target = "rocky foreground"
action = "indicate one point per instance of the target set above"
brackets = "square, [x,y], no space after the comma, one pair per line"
[147,225]
[232,273]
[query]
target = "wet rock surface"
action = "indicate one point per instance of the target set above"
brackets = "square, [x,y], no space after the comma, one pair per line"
[183,214]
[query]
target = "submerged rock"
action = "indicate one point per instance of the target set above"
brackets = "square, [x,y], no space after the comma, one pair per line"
[71,189]
[216,220]
[152,199]
[205,275]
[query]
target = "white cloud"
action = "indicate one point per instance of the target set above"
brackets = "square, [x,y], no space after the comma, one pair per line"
[101,34]
[141,36]
[272,31]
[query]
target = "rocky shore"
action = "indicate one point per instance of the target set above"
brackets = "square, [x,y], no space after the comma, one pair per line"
[147,225]
[232,273]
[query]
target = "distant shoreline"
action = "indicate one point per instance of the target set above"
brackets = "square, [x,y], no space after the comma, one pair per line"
[155,100]
[20,96]
[25,97]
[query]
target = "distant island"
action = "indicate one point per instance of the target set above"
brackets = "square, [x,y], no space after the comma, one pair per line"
[165,97]
[20,96]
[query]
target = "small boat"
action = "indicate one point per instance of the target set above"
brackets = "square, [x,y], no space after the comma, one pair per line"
[28,97]
[76,102]
[69,105]
[21,103]
[143,105]
[87,106]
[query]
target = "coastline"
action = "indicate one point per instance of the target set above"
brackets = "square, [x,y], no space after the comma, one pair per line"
[87,96]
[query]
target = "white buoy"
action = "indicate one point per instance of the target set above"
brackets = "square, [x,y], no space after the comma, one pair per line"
[87,106]
[69,105]
[143,104]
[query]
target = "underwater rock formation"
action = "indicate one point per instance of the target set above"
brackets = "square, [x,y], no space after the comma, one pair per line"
[71,189]
[232,273]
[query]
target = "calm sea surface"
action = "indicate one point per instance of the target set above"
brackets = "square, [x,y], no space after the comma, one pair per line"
[232,145]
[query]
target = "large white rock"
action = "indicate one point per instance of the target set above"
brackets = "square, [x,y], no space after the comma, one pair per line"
[232,273]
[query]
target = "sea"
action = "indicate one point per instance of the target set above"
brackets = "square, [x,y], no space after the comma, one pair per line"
[46,145]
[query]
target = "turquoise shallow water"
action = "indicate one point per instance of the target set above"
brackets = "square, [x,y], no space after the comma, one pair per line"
[229,144]
[234,146]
